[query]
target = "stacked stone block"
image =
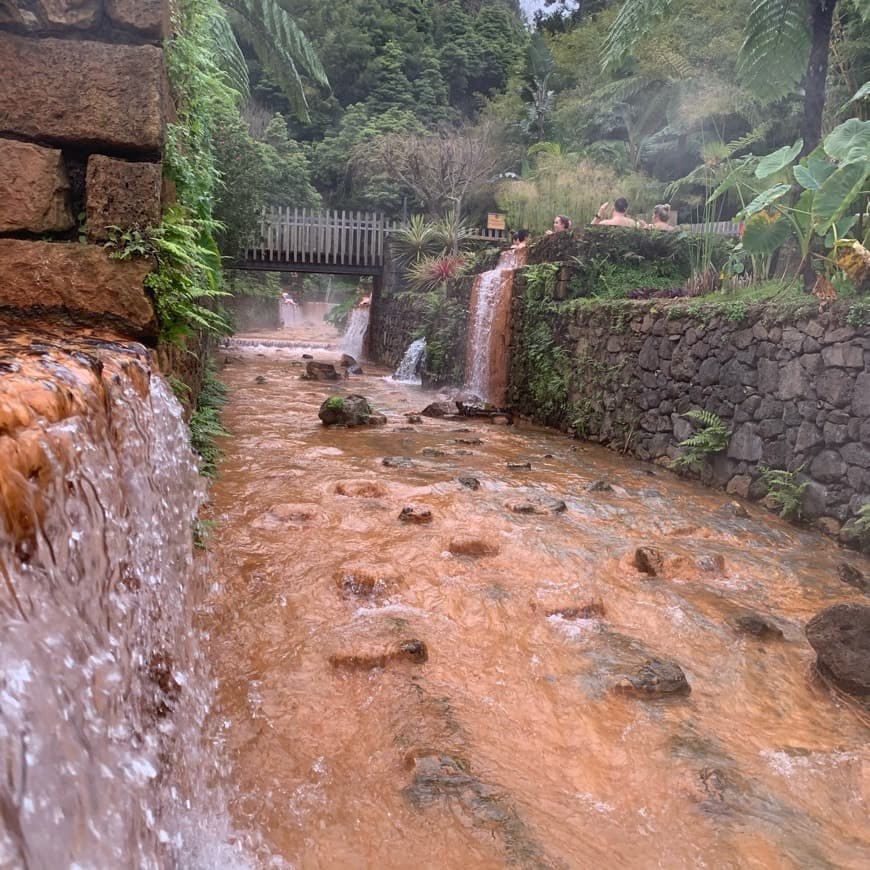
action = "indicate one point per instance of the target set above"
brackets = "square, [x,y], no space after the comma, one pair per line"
[83,110]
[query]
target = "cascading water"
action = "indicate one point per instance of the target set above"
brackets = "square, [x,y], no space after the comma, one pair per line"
[103,691]
[486,357]
[409,368]
[355,335]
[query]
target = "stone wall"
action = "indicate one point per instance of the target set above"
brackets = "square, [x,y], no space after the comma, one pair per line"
[83,110]
[792,386]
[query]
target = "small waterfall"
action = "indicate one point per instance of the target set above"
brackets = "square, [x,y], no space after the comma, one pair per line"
[488,336]
[355,335]
[103,691]
[409,368]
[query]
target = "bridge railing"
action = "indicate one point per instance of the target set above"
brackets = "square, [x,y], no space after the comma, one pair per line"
[321,236]
[717,228]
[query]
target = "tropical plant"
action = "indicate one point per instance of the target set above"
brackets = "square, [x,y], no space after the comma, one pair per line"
[858,528]
[785,490]
[205,422]
[430,273]
[786,42]
[414,240]
[712,437]
[832,181]
[281,47]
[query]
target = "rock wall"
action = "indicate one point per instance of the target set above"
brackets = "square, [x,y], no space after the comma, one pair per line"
[83,109]
[792,386]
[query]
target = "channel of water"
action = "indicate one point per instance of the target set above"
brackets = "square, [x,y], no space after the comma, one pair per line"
[449,693]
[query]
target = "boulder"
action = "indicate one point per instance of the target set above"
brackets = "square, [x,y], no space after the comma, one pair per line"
[35,189]
[347,361]
[85,94]
[840,635]
[349,411]
[439,409]
[78,282]
[320,371]
[121,194]
[469,482]
[649,560]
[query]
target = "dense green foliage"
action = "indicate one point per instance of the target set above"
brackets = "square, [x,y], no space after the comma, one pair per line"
[709,438]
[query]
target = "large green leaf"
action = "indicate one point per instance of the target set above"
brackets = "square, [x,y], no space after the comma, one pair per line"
[633,21]
[850,142]
[839,192]
[764,233]
[813,172]
[765,199]
[777,160]
[862,93]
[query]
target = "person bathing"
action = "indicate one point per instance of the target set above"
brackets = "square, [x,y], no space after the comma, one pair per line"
[618,217]
[661,215]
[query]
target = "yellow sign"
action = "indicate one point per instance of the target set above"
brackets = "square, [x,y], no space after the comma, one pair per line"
[495,221]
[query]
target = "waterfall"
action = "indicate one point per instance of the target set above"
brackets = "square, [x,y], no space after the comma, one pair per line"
[488,336]
[103,691]
[354,336]
[408,371]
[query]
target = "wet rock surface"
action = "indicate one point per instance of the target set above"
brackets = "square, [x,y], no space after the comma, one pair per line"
[416,515]
[537,504]
[851,576]
[320,371]
[655,677]
[349,411]
[840,636]
[650,561]
[756,625]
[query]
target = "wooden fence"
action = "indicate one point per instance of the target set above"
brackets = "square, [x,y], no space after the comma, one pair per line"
[328,238]
[718,228]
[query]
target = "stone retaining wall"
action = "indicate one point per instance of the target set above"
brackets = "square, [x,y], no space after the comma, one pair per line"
[84,105]
[793,388]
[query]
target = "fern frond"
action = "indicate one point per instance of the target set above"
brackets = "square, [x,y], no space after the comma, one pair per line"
[634,20]
[227,54]
[775,52]
[281,47]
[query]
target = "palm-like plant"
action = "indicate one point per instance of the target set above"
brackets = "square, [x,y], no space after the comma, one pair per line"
[786,41]
[430,273]
[280,45]
[415,240]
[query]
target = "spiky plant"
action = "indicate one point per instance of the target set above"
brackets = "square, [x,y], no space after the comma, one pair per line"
[415,240]
[430,273]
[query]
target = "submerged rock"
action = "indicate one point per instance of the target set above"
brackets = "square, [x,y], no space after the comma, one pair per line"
[320,371]
[851,576]
[418,515]
[518,466]
[592,610]
[840,635]
[655,677]
[361,488]
[432,451]
[756,625]
[347,361]
[474,547]
[397,462]
[366,580]
[733,509]
[349,411]
[469,482]
[413,418]
[260,379]
[599,486]
[537,504]
[412,650]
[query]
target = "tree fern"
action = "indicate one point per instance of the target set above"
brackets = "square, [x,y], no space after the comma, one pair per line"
[773,57]
[635,18]
[281,47]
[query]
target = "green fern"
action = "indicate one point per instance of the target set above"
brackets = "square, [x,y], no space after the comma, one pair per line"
[784,490]
[710,439]
[281,47]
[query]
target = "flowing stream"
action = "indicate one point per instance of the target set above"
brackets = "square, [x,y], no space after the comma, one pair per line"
[408,371]
[103,690]
[354,337]
[488,329]
[452,693]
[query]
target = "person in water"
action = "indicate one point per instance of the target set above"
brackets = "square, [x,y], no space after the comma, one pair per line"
[560,224]
[520,239]
[661,214]
[618,216]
